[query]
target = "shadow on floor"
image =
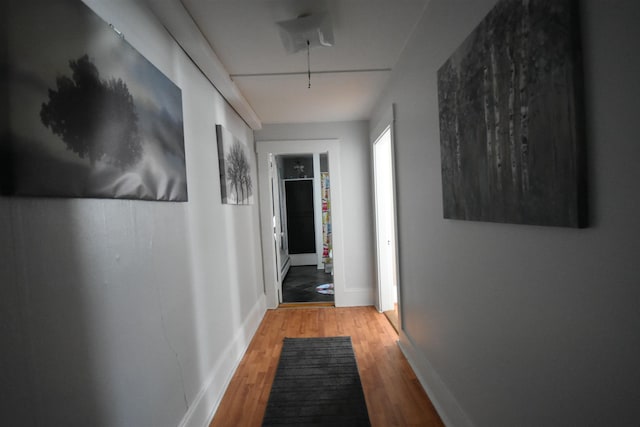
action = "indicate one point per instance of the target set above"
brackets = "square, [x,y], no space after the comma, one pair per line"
[392,315]
[300,285]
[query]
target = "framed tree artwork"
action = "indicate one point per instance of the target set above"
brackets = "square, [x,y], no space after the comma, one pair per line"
[511,118]
[84,114]
[236,174]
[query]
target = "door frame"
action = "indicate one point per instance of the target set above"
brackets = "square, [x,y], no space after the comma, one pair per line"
[387,121]
[267,150]
[304,258]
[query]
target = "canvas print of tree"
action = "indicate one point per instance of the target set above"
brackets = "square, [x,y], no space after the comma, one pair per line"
[511,122]
[86,115]
[234,158]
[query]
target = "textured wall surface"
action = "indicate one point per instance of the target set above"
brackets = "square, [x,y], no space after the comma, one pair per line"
[523,325]
[123,313]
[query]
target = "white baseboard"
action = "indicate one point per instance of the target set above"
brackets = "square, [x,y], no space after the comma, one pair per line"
[285,268]
[448,408]
[206,402]
[303,259]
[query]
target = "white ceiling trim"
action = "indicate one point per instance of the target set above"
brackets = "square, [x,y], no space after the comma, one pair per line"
[179,23]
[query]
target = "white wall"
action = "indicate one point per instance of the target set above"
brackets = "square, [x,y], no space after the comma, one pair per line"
[355,170]
[513,325]
[131,313]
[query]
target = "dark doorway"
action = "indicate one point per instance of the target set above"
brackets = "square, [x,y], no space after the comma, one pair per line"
[305,245]
[300,216]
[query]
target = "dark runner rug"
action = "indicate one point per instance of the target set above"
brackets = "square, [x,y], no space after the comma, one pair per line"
[317,384]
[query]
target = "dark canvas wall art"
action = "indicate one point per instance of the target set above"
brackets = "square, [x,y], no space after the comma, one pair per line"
[511,122]
[86,115]
[234,159]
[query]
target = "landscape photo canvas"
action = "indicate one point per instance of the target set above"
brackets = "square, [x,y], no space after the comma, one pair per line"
[236,172]
[84,114]
[511,118]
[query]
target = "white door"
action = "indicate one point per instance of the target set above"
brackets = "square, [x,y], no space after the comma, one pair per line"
[385,222]
[275,223]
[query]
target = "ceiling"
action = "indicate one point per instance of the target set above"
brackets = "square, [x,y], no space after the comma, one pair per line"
[346,79]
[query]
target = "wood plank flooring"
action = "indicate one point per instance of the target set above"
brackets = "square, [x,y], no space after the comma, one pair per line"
[392,316]
[393,394]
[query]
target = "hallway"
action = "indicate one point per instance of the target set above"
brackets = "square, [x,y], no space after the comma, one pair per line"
[393,394]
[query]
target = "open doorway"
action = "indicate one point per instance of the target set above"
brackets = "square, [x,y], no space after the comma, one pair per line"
[386,242]
[327,217]
[303,185]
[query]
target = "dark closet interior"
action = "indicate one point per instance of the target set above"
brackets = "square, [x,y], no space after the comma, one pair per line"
[300,216]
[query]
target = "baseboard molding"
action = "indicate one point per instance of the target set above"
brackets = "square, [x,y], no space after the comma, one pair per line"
[285,268]
[206,402]
[303,259]
[443,400]
[354,298]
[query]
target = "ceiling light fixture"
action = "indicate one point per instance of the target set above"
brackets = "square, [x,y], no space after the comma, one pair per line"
[306,31]
[315,29]
[309,63]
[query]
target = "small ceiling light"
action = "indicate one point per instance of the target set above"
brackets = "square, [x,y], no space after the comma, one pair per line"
[317,30]
[117,31]
[304,32]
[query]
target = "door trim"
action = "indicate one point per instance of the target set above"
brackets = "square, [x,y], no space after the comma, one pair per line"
[387,121]
[264,149]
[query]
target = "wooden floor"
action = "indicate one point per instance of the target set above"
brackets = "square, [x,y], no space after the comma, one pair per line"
[392,316]
[393,394]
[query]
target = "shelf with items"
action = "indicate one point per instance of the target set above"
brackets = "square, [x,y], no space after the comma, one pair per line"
[327,252]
